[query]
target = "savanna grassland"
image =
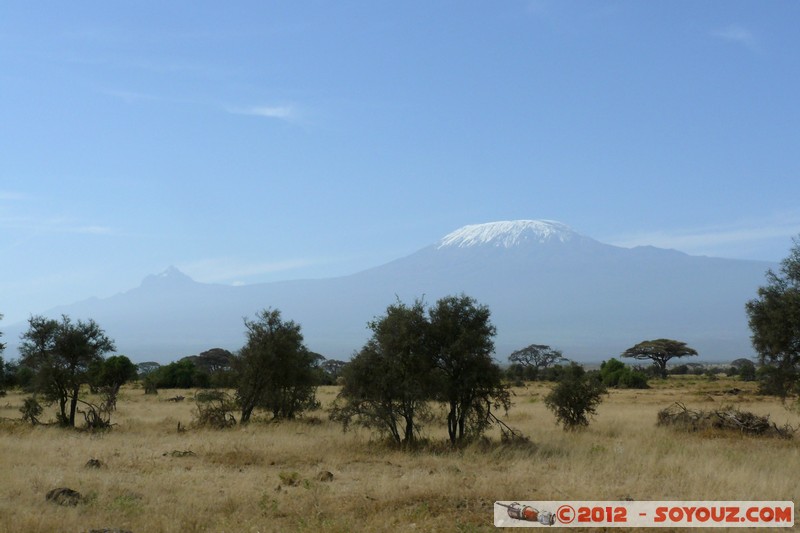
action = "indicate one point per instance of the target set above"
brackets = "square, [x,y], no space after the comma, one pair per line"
[273,477]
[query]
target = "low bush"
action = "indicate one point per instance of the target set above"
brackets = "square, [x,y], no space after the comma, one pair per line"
[214,409]
[615,373]
[576,397]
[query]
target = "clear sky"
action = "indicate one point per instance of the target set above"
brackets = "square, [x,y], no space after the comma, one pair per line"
[256,141]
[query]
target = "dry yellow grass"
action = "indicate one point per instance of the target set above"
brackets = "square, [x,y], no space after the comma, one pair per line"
[264,477]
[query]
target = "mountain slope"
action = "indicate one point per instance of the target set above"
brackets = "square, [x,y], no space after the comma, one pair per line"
[543,282]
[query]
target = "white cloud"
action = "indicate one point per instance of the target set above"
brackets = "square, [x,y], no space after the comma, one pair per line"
[285,112]
[231,270]
[737,34]
[90,230]
[11,196]
[730,240]
[52,225]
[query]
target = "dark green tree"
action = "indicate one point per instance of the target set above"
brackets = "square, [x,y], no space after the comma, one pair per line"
[575,397]
[181,374]
[113,373]
[387,385]
[659,351]
[213,360]
[615,373]
[747,372]
[61,354]
[469,381]
[275,371]
[774,318]
[216,364]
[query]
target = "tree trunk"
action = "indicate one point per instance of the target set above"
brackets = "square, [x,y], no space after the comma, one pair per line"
[409,434]
[662,367]
[73,405]
[62,404]
[247,410]
[452,422]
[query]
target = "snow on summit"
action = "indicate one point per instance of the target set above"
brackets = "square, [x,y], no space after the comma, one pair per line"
[507,234]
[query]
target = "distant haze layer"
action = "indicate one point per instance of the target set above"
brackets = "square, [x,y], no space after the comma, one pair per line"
[543,282]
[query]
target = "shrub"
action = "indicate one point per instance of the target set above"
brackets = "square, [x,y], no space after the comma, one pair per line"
[680,370]
[575,397]
[214,409]
[180,375]
[98,417]
[149,383]
[517,372]
[31,410]
[748,372]
[553,373]
[615,373]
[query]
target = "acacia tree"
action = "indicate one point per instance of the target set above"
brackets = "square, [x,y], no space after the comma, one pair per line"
[215,366]
[275,371]
[774,319]
[331,370]
[388,383]
[61,354]
[145,369]
[659,351]
[470,382]
[536,357]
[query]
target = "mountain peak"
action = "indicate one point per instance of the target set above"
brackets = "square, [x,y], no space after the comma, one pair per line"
[508,233]
[171,276]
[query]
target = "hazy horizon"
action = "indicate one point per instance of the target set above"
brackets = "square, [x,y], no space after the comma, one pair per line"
[172,269]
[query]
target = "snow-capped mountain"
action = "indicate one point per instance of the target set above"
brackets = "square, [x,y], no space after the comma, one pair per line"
[543,282]
[507,234]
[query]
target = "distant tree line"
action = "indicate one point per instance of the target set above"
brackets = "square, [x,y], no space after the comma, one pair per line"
[417,357]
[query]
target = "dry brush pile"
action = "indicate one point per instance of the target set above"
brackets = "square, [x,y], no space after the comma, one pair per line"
[727,418]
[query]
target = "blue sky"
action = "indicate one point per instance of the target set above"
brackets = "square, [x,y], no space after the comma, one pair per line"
[257,141]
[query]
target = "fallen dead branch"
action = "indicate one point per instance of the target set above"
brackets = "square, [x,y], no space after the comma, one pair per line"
[725,419]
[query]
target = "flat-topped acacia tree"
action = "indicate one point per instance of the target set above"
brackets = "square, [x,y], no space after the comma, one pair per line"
[537,357]
[659,351]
